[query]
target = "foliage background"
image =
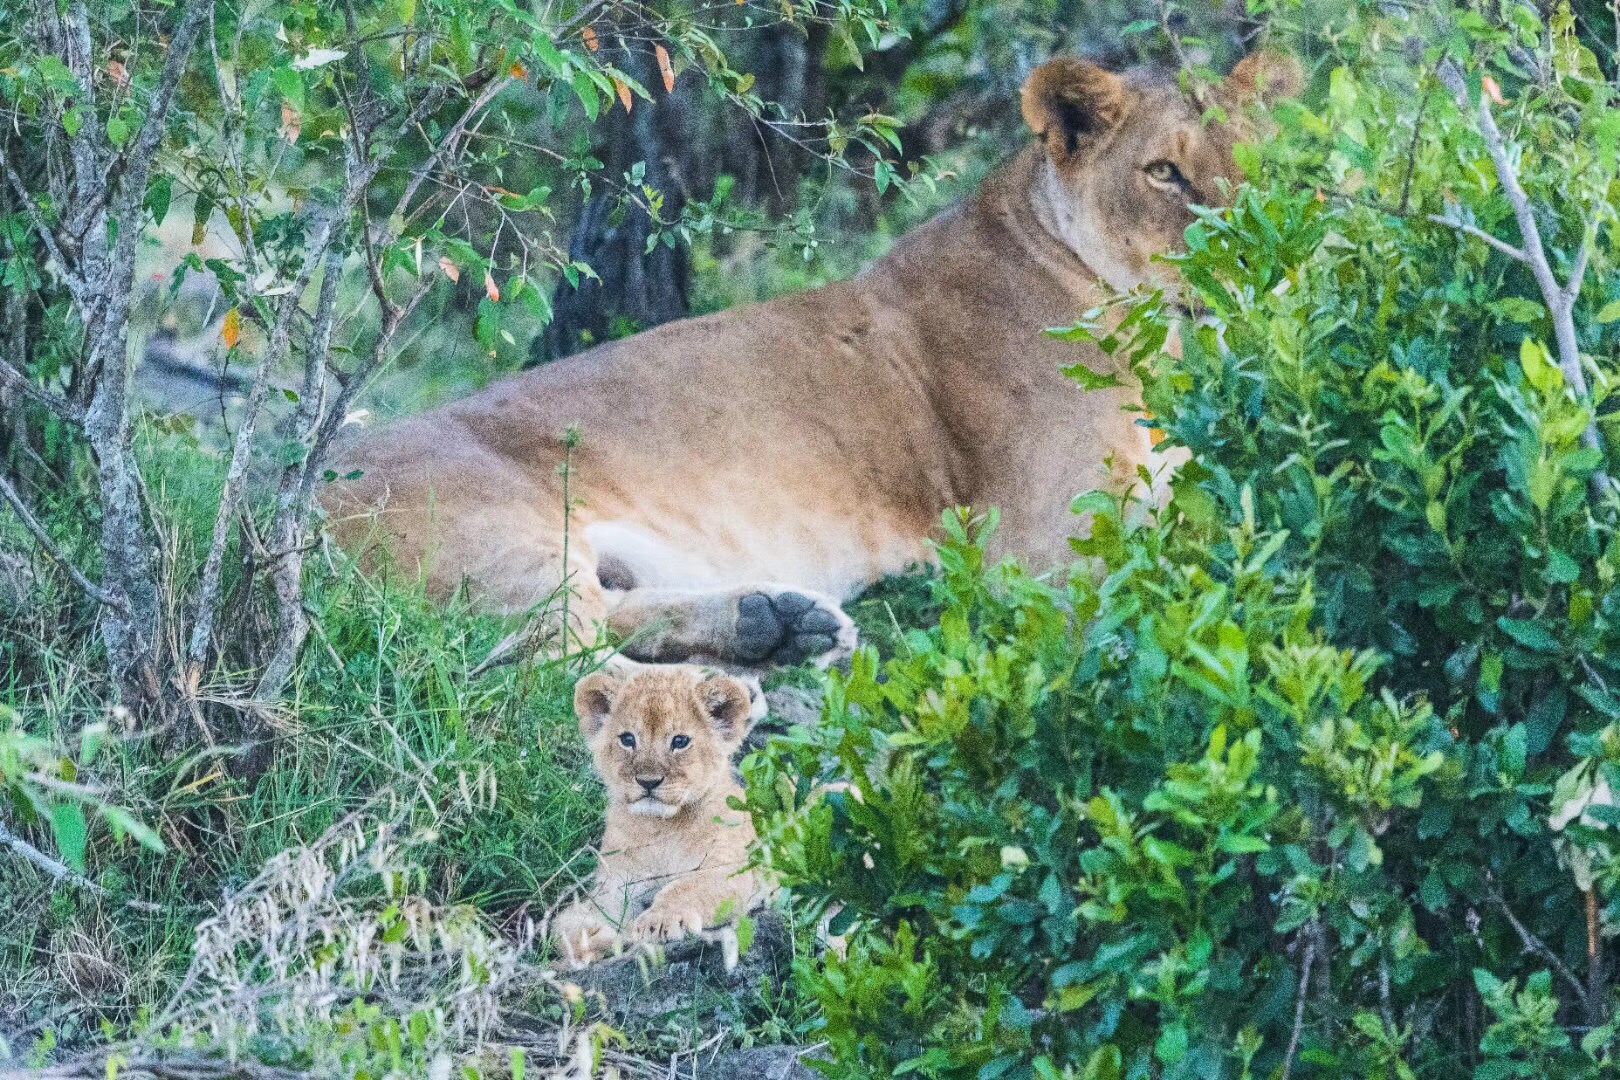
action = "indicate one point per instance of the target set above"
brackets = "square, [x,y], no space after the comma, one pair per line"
[1317,778]
[1311,778]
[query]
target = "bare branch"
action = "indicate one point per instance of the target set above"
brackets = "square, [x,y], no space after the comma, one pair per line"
[1480,234]
[1534,945]
[61,406]
[1299,1006]
[43,539]
[1577,272]
[202,631]
[75,283]
[1560,299]
[449,141]
[61,871]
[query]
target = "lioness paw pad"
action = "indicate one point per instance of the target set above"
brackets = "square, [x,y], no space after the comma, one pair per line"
[791,627]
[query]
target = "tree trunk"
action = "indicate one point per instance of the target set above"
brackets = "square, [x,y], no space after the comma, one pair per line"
[638,288]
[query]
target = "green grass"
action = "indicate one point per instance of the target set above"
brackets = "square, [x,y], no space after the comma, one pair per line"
[381,698]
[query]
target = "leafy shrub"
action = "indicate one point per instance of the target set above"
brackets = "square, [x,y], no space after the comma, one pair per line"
[1311,773]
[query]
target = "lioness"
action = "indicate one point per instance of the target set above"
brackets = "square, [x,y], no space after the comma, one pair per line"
[814,440]
[674,856]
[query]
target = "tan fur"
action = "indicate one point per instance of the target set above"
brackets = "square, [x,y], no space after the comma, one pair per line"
[815,439]
[674,856]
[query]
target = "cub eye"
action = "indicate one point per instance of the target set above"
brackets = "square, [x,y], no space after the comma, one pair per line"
[1164,172]
[627,740]
[680,742]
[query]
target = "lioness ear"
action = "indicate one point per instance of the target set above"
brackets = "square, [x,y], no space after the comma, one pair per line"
[726,701]
[593,701]
[1073,105]
[1265,77]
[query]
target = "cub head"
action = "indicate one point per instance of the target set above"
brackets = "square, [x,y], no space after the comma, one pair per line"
[1125,156]
[662,737]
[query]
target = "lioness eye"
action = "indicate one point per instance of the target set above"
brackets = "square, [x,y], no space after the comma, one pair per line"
[1165,172]
[680,742]
[627,740]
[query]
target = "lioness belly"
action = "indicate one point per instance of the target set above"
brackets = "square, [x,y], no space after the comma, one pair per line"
[836,557]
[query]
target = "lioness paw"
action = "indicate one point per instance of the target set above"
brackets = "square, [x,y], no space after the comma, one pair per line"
[668,922]
[789,627]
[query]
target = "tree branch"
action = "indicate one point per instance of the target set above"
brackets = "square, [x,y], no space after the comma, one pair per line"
[61,406]
[1299,1006]
[1534,945]
[43,539]
[1480,234]
[1560,299]
[75,283]
[61,871]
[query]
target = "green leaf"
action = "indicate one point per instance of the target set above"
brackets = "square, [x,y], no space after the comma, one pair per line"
[1089,379]
[158,195]
[1609,312]
[1531,633]
[68,827]
[125,824]
[290,85]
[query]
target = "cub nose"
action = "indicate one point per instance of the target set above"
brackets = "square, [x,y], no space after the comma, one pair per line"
[649,786]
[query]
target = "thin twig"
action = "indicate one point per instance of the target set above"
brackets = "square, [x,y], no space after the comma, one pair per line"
[1534,945]
[1480,234]
[10,375]
[43,539]
[1299,1006]
[62,872]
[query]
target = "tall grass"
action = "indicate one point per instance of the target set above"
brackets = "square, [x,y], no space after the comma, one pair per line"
[381,700]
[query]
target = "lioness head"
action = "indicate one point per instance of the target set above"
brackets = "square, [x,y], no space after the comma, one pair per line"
[662,737]
[1125,156]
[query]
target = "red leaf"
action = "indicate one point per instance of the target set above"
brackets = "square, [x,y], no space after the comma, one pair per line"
[590,39]
[490,290]
[451,270]
[1492,90]
[624,92]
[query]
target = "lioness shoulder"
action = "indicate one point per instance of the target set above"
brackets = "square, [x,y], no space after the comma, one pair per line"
[675,854]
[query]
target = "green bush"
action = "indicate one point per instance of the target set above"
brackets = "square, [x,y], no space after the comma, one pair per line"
[1310,774]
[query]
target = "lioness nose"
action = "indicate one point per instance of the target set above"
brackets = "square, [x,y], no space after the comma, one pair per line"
[649,786]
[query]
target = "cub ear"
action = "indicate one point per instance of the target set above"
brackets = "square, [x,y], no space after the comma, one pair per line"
[728,704]
[1073,105]
[1265,77]
[593,700]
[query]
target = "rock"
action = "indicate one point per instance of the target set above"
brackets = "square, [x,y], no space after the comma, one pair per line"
[637,994]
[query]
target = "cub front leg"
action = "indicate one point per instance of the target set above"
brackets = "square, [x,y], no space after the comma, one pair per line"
[695,904]
[583,935]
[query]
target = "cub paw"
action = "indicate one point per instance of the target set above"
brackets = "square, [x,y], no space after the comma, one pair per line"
[667,922]
[585,945]
[787,627]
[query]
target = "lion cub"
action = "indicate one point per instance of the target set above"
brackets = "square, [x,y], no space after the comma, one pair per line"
[674,857]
